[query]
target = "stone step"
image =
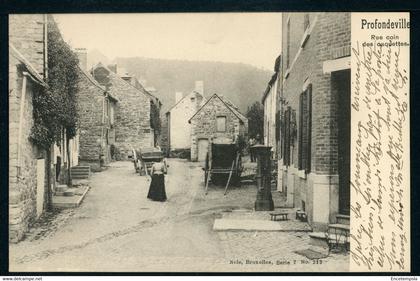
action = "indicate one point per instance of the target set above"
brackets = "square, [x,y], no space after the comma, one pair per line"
[70,201]
[79,173]
[76,168]
[339,226]
[81,167]
[319,239]
[343,219]
[79,177]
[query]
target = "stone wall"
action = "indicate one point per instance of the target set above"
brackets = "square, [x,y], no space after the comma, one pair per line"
[26,33]
[23,186]
[132,115]
[203,124]
[90,99]
[329,38]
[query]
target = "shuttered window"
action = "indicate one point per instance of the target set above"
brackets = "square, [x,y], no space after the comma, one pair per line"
[305,128]
[286,136]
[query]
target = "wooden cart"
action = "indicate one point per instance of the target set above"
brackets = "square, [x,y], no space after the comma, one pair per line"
[223,165]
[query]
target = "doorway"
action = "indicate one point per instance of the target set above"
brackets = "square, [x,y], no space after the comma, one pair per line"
[341,84]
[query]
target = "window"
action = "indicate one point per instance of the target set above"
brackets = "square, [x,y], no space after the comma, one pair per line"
[221,123]
[305,127]
[306,22]
[192,100]
[288,45]
[287,138]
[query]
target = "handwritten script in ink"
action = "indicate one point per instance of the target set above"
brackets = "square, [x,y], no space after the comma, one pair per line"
[380,144]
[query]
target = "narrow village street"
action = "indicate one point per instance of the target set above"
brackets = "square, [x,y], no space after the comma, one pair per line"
[117,228]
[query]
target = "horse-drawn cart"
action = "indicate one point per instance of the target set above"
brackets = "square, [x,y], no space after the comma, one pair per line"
[223,165]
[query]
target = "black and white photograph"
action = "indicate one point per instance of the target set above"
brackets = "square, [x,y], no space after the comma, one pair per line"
[207,142]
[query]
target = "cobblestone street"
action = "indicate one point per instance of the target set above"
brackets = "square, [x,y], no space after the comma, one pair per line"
[117,228]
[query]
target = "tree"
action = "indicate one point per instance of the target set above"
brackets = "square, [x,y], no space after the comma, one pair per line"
[255,115]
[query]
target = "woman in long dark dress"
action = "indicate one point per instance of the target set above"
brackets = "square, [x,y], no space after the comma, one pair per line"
[157,186]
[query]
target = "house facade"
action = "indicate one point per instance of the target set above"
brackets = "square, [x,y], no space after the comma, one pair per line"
[217,120]
[132,114]
[315,114]
[96,132]
[29,168]
[271,110]
[177,117]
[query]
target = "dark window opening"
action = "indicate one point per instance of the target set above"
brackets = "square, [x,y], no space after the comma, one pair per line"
[305,128]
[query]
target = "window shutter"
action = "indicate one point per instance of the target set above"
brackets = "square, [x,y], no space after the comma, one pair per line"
[286,158]
[300,140]
[305,128]
[309,128]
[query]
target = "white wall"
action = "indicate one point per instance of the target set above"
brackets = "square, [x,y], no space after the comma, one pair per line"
[179,127]
[270,117]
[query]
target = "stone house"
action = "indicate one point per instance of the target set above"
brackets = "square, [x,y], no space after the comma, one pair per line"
[155,103]
[217,120]
[96,108]
[133,119]
[315,113]
[178,129]
[29,168]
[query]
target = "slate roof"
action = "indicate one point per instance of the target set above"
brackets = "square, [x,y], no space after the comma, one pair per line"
[113,74]
[94,82]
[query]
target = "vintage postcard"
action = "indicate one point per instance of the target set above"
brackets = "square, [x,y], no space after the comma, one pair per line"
[209,142]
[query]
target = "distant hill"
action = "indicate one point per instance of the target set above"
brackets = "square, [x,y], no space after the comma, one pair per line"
[242,84]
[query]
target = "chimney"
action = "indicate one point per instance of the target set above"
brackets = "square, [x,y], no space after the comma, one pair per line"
[82,56]
[199,87]
[178,96]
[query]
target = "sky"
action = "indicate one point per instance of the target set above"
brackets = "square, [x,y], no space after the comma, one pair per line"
[251,38]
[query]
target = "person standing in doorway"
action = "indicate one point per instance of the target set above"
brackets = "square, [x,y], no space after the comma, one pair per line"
[157,185]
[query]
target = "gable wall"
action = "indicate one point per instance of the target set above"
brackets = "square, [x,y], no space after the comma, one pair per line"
[132,118]
[203,125]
